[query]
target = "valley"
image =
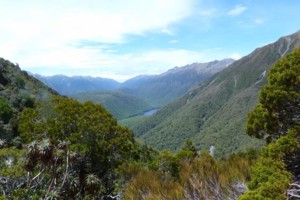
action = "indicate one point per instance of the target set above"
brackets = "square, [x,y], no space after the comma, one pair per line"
[150,100]
[138,94]
[203,130]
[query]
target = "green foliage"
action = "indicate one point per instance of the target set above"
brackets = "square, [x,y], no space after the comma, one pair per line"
[85,130]
[278,110]
[12,162]
[269,177]
[18,90]
[148,185]
[276,118]
[5,111]
[198,177]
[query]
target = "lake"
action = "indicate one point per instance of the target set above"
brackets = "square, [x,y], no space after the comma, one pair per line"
[150,112]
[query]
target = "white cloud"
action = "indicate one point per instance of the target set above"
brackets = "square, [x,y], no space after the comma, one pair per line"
[235,56]
[208,12]
[42,36]
[106,21]
[117,66]
[259,21]
[167,31]
[173,41]
[237,10]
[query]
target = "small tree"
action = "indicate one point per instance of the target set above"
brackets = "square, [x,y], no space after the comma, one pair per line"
[93,133]
[279,102]
[276,118]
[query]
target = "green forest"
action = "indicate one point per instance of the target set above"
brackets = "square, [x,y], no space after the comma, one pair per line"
[54,147]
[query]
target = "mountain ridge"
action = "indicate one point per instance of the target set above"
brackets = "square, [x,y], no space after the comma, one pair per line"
[214,112]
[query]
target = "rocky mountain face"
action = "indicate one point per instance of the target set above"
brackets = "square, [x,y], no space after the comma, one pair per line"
[213,114]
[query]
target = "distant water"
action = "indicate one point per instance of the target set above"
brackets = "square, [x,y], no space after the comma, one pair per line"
[150,112]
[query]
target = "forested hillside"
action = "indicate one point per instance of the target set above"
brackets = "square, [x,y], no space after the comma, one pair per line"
[158,90]
[214,113]
[63,149]
[60,148]
[119,104]
[18,90]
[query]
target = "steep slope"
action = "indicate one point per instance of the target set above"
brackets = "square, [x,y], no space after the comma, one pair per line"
[119,104]
[214,113]
[18,90]
[158,90]
[71,85]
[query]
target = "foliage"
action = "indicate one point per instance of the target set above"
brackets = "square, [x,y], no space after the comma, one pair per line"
[279,109]
[269,176]
[5,111]
[186,175]
[276,118]
[80,141]
[18,90]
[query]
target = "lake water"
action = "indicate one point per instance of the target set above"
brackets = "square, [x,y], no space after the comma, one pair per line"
[150,112]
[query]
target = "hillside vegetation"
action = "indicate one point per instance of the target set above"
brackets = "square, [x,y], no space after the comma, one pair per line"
[119,104]
[214,113]
[64,149]
[159,90]
[276,119]
[18,90]
[71,150]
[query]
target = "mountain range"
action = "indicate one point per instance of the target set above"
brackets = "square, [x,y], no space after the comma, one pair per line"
[66,85]
[213,114]
[138,94]
[159,90]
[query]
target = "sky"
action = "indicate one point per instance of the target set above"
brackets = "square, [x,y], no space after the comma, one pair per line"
[120,39]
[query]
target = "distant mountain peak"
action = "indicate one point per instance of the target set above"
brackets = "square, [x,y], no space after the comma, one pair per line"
[206,67]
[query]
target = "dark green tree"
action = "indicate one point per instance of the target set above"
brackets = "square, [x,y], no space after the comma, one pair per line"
[276,118]
[5,111]
[279,101]
[100,144]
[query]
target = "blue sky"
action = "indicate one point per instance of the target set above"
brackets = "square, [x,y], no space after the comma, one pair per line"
[121,39]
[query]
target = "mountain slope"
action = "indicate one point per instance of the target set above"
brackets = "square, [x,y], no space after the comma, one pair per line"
[214,113]
[119,104]
[18,90]
[158,90]
[71,85]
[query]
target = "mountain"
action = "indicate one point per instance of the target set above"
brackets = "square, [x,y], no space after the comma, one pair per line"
[158,90]
[71,85]
[213,114]
[18,90]
[119,104]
